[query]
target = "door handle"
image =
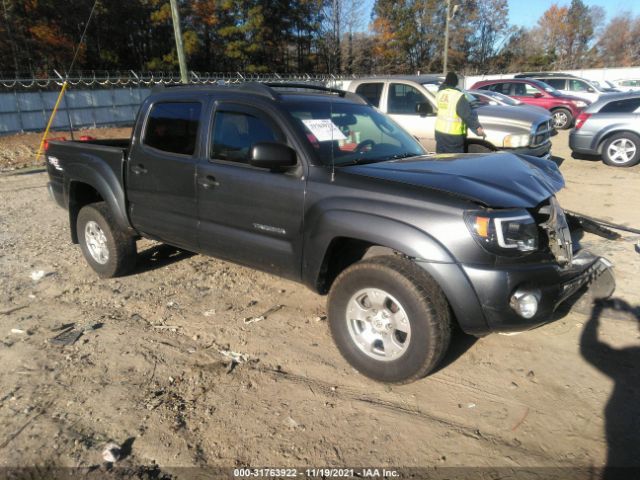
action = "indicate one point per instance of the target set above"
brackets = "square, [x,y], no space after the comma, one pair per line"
[208,181]
[139,169]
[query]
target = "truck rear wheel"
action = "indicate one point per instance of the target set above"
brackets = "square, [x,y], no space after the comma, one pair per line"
[106,248]
[389,319]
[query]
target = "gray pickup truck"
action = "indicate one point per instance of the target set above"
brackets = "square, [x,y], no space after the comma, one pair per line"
[315,185]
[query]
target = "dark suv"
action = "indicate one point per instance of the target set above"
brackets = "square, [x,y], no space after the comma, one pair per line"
[320,187]
[564,108]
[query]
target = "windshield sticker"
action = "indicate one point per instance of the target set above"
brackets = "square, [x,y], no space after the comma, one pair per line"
[324,130]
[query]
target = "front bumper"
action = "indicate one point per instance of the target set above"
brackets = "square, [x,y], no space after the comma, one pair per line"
[542,150]
[494,287]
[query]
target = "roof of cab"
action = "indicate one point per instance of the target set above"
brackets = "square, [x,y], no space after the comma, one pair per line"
[273,91]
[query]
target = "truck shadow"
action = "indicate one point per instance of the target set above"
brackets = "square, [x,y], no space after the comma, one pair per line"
[622,412]
[159,256]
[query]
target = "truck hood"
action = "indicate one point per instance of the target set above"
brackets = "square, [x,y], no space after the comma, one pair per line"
[498,180]
[512,115]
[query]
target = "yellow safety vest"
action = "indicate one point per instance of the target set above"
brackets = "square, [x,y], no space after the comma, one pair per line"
[448,120]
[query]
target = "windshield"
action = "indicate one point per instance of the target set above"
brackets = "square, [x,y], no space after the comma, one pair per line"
[547,87]
[499,97]
[348,133]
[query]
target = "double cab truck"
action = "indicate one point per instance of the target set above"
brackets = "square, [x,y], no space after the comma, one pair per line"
[316,185]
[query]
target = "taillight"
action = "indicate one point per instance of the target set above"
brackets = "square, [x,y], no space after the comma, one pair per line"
[583,117]
[57,139]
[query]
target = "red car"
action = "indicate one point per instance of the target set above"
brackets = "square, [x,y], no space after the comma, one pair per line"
[533,92]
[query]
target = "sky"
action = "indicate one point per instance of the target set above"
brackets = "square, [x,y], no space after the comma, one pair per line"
[527,12]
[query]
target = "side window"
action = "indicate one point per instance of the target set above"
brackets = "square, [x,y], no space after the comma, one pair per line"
[371,91]
[621,106]
[403,99]
[502,87]
[557,83]
[578,86]
[234,133]
[525,90]
[173,127]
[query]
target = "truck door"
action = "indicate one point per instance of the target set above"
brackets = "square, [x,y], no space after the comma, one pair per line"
[402,106]
[160,173]
[248,215]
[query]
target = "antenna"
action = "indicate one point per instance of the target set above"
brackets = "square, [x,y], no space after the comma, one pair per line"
[333,160]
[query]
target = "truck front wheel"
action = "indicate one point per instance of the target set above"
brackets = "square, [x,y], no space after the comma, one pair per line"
[106,248]
[389,319]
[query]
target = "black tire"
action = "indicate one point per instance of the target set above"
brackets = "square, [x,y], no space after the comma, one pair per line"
[624,140]
[424,303]
[562,118]
[478,148]
[121,246]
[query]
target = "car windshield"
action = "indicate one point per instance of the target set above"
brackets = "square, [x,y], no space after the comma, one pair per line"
[546,87]
[347,133]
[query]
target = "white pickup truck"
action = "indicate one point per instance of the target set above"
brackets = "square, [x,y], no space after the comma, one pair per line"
[410,101]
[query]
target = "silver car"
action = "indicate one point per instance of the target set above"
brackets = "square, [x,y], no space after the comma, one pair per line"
[610,127]
[411,102]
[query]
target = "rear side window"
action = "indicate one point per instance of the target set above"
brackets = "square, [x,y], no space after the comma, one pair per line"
[371,91]
[173,127]
[234,133]
[621,106]
[557,83]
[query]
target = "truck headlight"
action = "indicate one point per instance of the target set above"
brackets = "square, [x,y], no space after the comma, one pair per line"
[515,141]
[505,232]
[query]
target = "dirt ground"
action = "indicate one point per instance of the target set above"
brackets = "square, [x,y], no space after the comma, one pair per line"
[170,365]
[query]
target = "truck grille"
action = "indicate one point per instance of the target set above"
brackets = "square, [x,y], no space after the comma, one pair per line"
[554,223]
[542,133]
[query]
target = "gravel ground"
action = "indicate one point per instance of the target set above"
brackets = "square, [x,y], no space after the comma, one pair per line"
[169,365]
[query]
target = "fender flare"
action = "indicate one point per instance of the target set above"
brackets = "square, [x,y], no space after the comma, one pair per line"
[368,227]
[97,174]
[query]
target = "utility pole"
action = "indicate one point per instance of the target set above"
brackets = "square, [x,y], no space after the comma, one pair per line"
[449,16]
[446,40]
[177,31]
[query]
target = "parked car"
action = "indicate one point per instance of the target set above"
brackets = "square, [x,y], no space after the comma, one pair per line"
[568,84]
[564,108]
[610,128]
[606,86]
[628,84]
[410,103]
[322,188]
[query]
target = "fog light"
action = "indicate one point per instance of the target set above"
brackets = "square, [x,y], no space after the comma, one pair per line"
[525,302]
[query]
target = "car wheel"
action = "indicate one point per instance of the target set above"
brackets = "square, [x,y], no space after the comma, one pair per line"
[389,319]
[621,150]
[107,249]
[562,118]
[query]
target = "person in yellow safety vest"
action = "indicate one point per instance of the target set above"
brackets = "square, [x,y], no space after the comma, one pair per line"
[455,115]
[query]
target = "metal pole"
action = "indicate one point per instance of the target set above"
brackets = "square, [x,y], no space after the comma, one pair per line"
[446,39]
[179,47]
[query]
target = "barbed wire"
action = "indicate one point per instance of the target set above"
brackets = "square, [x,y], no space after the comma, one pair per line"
[146,79]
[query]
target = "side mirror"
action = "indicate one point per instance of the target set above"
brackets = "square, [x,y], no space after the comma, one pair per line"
[272,156]
[537,95]
[591,90]
[424,108]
